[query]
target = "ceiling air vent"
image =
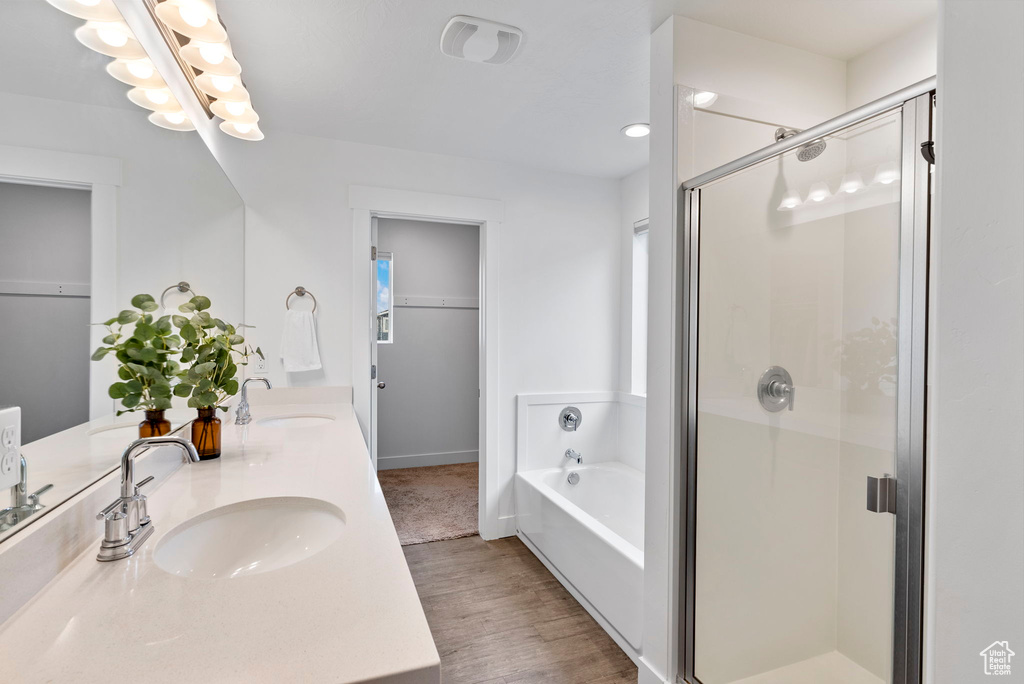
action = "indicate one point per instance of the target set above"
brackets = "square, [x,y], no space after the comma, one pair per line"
[479,40]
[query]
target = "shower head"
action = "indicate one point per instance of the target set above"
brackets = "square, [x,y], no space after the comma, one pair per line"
[807,151]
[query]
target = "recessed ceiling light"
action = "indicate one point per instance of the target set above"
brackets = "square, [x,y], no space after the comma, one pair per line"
[637,130]
[704,98]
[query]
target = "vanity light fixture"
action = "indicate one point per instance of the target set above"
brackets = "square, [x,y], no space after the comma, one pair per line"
[111,38]
[244,131]
[194,19]
[90,10]
[175,121]
[637,130]
[704,98]
[154,99]
[819,192]
[235,112]
[851,183]
[136,72]
[211,58]
[226,88]
[887,173]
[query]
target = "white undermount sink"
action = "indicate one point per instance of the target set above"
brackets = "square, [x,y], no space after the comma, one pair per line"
[250,537]
[296,420]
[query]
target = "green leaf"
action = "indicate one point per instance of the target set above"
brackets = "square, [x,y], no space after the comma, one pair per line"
[194,402]
[235,340]
[124,373]
[204,369]
[134,353]
[230,387]
[187,354]
[133,387]
[99,353]
[182,390]
[127,316]
[161,404]
[162,391]
[140,299]
[109,322]
[131,401]
[189,334]
[144,331]
[260,352]
[149,355]
[208,398]
[220,324]
[111,338]
[200,302]
[163,326]
[205,385]
[118,390]
[179,321]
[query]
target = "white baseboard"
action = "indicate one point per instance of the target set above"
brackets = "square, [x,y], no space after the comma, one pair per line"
[648,675]
[633,654]
[420,460]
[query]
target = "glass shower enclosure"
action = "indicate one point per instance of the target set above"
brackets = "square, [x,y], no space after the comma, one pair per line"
[804,314]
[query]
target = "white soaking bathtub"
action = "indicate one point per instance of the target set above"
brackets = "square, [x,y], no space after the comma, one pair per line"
[592,533]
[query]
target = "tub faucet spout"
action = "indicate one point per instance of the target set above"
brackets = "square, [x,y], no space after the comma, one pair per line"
[574,455]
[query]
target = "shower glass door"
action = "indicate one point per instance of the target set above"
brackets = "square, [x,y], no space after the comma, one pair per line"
[797,367]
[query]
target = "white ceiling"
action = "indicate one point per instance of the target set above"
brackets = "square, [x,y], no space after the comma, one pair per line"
[371,71]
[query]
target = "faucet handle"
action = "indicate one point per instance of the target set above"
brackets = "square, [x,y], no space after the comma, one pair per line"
[118,503]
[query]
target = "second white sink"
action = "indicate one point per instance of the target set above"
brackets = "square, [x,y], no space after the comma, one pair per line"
[298,420]
[250,537]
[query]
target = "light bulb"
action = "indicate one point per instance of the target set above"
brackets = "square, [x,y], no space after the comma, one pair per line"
[887,173]
[142,68]
[158,96]
[88,3]
[790,201]
[175,117]
[704,98]
[112,35]
[212,54]
[243,128]
[193,15]
[236,108]
[222,83]
[819,192]
[637,130]
[851,183]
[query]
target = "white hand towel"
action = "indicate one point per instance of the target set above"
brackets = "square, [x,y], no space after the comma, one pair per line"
[299,351]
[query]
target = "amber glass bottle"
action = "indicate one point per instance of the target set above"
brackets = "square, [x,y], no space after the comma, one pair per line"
[155,425]
[206,434]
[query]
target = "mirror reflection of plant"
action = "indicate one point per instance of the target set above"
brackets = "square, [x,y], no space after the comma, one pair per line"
[146,368]
[868,355]
[211,346]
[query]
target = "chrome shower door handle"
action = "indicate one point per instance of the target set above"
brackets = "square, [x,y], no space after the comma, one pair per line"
[381,385]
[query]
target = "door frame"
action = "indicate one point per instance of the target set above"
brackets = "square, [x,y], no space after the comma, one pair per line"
[101,176]
[368,203]
[915,103]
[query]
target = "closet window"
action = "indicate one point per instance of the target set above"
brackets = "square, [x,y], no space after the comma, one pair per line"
[385,295]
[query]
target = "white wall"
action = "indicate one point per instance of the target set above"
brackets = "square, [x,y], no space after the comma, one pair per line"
[428,413]
[43,339]
[897,63]
[975,563]
[560,260]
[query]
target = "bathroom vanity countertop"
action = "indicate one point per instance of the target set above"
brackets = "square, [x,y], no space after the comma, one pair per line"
[348,614]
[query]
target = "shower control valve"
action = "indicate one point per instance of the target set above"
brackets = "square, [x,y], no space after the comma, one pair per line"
[775,389]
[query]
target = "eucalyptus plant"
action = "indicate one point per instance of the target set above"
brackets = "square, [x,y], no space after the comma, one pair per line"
[211,346]
[144,352]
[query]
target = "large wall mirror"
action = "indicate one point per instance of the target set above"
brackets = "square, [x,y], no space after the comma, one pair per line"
[97,205]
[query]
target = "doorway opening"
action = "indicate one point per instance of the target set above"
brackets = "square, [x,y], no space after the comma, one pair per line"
[426,299]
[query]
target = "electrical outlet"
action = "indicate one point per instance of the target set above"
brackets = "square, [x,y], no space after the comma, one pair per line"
[259,365]
[10,447]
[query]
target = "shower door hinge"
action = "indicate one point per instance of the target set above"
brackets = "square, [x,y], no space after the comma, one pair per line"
[373,252]
[373,372]
[882,494]
[928,151]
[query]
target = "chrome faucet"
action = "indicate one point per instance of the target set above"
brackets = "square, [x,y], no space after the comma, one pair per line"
[126,523]
[574,455]
[23,504]
[242,415]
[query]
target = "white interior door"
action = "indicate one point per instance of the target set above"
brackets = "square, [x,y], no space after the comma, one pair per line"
[372,322]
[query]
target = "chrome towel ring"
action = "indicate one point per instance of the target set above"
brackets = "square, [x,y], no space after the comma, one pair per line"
[301,292]
[180,287]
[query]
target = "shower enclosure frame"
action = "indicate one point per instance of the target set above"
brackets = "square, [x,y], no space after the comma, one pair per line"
[916,104]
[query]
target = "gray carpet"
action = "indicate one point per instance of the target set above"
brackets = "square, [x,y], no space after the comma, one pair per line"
[432,503]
